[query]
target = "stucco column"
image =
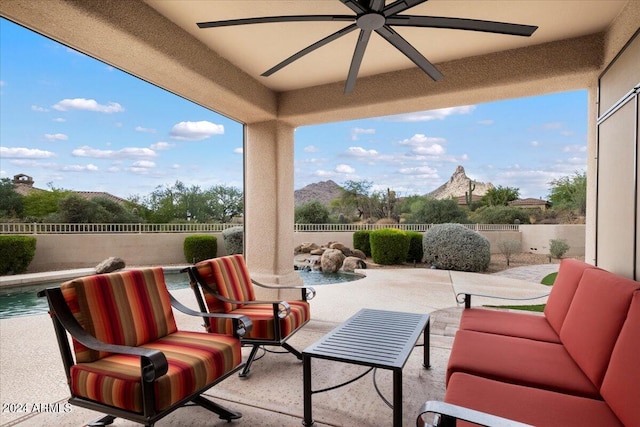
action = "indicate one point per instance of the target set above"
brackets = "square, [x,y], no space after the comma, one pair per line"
[269,203]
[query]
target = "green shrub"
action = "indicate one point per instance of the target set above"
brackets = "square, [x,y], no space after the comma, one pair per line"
[200,247]
[16,253]
[415,247]
[233,240]
[500,215]
[361,241]
[389,246]
[312,213]
[557,248]
[455,247]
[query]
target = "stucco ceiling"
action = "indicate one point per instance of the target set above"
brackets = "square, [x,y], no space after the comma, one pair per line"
[256,48]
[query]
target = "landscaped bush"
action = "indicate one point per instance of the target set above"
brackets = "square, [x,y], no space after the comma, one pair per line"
[16,253]
[233,240]
[415,247]
[361,241]
[389,246]
[557,248]
[455,247]
[200,247]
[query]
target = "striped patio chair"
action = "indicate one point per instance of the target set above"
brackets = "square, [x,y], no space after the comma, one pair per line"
[129,359]
[223,285]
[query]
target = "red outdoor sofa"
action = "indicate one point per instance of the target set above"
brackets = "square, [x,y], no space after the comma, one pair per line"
[578,365]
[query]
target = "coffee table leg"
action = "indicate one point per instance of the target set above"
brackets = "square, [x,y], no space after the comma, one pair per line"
[397,398]
[427,345]
[306,381]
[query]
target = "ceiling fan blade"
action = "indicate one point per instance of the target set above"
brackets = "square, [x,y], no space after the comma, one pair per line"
[462,24]
[310,49]
[400,6]
[356,61]
[271,19]
[355,6]
[376,5]
[405,47]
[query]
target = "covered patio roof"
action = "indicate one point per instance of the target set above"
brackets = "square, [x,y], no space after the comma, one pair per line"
[220,68]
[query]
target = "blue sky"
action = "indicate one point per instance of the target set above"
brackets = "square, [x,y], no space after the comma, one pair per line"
[74,123]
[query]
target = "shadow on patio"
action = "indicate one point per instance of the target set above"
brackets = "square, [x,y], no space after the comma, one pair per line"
[272,395]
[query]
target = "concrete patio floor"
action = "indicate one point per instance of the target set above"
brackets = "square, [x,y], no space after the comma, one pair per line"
[32,379]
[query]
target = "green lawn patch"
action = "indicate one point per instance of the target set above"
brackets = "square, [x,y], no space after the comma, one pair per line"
[548,280]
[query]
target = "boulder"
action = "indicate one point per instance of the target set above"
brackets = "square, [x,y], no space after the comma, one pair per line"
[358,253]
[342,248]
[318,251]
[352,263]
[331,260]
[305,248]
[110,265]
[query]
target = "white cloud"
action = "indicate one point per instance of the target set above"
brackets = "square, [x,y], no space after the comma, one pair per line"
[356,132]
[311,149]
[440,114]
[485,122]
[575,148]
[343,168]
[425,145]
[160,146]
[59,120]
[144,130]
[3,83]
[535,143]
[55,137]
[129,152]
[80,168]
[361,152]
[39,109]
[238,150]
[423,171]
[25,153]
[195,131]
[144,164]
[567,133]
[175,166]
[88,105]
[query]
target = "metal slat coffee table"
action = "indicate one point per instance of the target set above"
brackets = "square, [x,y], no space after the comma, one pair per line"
[375,338]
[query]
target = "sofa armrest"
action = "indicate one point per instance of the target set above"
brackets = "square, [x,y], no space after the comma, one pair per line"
[153,363]
[455,412]
[465,297]
[241,324]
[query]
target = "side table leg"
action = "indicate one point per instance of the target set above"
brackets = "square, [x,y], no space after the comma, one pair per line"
[397,398]
[306,384]
[427,346]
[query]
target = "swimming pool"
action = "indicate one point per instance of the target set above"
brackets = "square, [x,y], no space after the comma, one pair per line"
[22,301]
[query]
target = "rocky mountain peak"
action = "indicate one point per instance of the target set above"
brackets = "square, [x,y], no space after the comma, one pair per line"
[458,185]
[323,192]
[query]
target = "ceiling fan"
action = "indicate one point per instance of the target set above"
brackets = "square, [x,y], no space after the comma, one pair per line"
[375,15]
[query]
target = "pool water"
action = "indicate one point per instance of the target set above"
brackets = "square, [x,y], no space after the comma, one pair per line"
[23,301]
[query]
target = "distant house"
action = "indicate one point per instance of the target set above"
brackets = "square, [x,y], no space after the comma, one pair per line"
[531,203]
[23,185]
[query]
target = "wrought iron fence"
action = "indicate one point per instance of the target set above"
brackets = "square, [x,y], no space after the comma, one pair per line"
[45,228]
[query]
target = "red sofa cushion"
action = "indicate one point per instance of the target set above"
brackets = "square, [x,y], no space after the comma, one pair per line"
[594,320]
[528,405]
[621,384]
[563,290]
[520,361]
[508,323]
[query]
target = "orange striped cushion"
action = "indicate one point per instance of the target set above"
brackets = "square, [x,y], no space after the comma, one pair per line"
[262,317]
[195,360]
[127,308]
[230,277]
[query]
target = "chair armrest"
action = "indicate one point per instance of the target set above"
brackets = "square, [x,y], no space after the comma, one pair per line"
[465,297]
[153,363]
[465,414]
[308,292]
[241,324]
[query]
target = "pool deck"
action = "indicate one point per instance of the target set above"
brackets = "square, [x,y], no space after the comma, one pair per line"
[32,381]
